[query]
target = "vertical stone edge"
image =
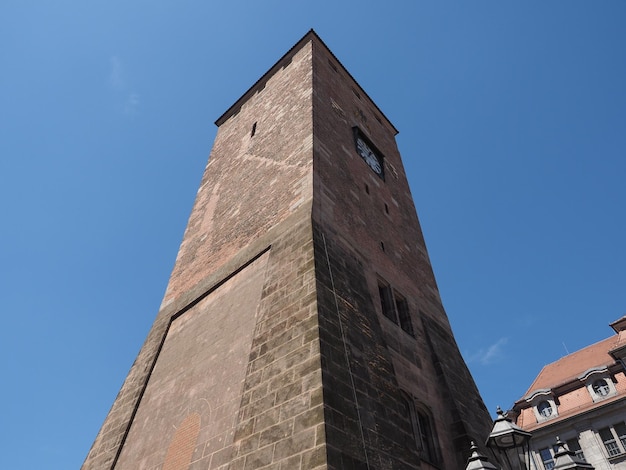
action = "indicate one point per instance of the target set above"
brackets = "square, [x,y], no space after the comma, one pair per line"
[280,420]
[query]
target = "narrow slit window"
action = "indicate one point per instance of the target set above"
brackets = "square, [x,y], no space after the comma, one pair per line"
[386,301]
[253,131]
[404,317]
[427,438]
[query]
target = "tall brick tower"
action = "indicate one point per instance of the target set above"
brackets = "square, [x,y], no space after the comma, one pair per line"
[301,327]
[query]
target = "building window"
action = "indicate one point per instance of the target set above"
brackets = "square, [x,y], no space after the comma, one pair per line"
[614,439]
[544,405]
[395,307]
[574,446]
[404,317]
[599,383]
[386,301]
[601,387]
[620,429]
[427,437]
[423,431]
[546,459]
[545,409]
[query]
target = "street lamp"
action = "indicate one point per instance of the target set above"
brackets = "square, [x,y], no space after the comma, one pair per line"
[477,461]
[506,435]
[565,459]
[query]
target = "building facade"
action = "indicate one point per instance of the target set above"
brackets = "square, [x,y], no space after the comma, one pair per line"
[302,325]
[581,398]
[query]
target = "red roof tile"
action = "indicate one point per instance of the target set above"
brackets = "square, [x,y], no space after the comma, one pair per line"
[573,365]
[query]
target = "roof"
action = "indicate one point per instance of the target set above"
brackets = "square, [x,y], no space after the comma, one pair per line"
[573,365]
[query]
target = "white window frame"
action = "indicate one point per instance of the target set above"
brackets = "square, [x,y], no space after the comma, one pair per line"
[545,411]
[616,443]
[592,376]
[548,464]
[540,396]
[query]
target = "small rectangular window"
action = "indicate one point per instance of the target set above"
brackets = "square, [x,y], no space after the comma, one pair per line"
[423,431]
[427,437]
[546,459]
[620,430]
[609,441]
[395,307]
[404,316]
[386,302]
[574,446]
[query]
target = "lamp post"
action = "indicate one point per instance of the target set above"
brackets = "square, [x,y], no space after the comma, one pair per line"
[505,436]
[565,459]
[477,461]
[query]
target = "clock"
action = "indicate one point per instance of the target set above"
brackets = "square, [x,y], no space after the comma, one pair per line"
[369,154]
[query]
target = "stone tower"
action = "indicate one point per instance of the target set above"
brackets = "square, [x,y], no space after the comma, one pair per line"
[301,327]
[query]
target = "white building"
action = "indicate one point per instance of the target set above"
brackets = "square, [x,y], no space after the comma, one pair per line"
[580,398]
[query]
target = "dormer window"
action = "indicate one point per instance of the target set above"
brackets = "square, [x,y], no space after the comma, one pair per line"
[544,404]
[598,383]
[545,409]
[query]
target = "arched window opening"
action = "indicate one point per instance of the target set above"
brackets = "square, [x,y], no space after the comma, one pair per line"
[423,431]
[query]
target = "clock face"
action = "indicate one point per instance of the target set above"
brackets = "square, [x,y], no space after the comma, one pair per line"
[369,156]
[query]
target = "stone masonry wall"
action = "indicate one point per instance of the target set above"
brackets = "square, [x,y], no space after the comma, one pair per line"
[375,220]
[251,184]
[277,419]
[259,172]
[188,411]
[326,371]
[280,421]
[366,423]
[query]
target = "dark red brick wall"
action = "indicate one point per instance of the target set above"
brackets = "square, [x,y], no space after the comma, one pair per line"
[366,422]
[251,183]
[361,213]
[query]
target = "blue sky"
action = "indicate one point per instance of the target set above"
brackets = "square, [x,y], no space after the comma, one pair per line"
[512,121]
